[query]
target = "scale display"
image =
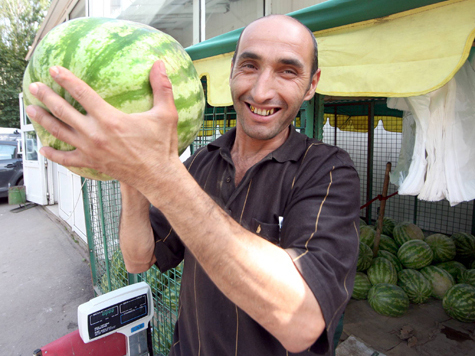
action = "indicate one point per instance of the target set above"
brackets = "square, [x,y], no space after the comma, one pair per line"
[116,316]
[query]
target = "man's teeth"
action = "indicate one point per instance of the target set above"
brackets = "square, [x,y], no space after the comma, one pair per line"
[262,111]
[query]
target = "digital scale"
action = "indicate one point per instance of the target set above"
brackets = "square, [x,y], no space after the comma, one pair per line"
[113,324]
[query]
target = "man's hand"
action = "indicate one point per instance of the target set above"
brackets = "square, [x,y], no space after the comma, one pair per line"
[131,148]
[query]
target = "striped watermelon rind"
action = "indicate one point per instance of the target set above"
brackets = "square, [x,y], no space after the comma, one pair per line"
[392,258]
[382,271]
[365,256]
[455,268]
[114,57]
[406,231]
[361,287]
[442,246]
[388,299]
[415,254]
[465,245]
[459,303]
[415,285]
[467,277]
[367,235]
[387,243]
[388,226]
[440,280]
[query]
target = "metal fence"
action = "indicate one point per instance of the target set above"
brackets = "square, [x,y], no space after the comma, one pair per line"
[367,130]
[371,134]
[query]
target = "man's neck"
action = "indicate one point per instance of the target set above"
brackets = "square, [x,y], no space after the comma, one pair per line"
[246,151]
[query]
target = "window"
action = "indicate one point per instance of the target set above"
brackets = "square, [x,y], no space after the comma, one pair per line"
[7,152]
[224,16]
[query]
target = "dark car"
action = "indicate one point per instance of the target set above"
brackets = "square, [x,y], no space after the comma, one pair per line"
[11,166]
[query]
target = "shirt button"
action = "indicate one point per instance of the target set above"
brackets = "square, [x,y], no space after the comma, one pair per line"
[228,180]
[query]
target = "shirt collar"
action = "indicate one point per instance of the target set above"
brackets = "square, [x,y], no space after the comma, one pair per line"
[291,150]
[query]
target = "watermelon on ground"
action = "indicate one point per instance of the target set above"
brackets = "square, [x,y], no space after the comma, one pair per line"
[459,303]
[442,246]
[388,299]
[362,222]
[415,254]
[361,287]
[367,235]
[467,277]
[415,285]
[382,271]
[365,256]
[455,268]
[440,280]
[392,258]
[114,58]
[406,231]
[388,226]
[465,246]
[387,243]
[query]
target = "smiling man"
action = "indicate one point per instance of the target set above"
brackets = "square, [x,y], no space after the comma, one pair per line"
[266,219]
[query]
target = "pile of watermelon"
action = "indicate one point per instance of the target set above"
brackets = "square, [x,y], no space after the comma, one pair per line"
[412,267]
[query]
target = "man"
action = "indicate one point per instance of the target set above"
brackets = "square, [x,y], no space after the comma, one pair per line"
[265,218]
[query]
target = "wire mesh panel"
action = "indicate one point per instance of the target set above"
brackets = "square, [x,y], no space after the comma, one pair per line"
[102,210]
[348,125]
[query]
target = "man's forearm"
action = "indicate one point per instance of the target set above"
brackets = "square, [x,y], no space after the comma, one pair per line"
[135,233]
[259,277]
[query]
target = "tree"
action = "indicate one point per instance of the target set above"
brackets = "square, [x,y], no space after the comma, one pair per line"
[19,22]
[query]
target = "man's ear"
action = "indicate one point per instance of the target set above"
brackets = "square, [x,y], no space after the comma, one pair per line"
[313,85]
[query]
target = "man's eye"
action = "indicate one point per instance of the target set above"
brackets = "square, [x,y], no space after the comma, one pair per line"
[289,71]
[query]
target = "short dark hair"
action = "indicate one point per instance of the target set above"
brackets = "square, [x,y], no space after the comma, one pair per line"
[315,46]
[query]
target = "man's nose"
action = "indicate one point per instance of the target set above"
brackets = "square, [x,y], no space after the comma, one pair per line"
[264,87]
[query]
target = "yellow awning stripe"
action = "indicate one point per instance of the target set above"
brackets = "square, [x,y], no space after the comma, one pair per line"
[405,54]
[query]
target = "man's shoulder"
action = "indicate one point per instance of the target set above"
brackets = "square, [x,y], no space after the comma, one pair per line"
[318,150]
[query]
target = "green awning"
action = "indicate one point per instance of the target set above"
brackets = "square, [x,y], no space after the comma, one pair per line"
[378,48]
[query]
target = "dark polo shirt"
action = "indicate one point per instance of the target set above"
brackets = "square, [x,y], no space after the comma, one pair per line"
[303,197]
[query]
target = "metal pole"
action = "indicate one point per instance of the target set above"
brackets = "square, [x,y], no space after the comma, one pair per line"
[90,233]
[319,117]
[104,235]
[369,168]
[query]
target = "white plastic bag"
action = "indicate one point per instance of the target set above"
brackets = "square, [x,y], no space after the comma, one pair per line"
[442,164]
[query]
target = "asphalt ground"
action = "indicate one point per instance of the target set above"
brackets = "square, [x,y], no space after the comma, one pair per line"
[44,277]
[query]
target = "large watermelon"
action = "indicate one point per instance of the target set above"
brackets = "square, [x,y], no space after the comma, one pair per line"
[388,299]
[440,280]
[415,254]
[365,256]
[367,235]
[387,243]
[388,225]
[382,271]
[467,277]
[442,246]
[455,268]
[392,258]
[459,303]
[114,57]
[465,246]
[361,287]
[406,231]
[416,286]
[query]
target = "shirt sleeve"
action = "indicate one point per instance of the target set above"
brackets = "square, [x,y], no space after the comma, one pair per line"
[169,250]
[320,232]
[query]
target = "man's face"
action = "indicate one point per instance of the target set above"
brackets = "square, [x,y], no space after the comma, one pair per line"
[271,76]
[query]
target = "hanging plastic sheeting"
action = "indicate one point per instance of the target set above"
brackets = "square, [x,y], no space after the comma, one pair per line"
[439,129]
